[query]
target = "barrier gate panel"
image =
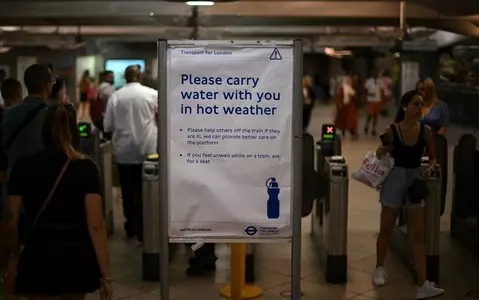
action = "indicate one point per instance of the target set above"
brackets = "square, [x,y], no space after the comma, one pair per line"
[441,147]
[335,220]
[310,176]
[465,203]
[151,222]
[432,228]
[400,242]
[463,182]
[106,150]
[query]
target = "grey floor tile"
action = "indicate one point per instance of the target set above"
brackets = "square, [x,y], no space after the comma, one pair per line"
[311,291]
[358,282]
[392,265]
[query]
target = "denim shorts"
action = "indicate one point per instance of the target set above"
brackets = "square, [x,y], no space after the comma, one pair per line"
[393,192]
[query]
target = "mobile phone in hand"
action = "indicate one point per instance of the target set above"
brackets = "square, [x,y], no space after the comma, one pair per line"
[386,140]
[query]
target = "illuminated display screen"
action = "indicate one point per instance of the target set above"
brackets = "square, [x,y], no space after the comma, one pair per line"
[84,129]
[328,132]
[118,66]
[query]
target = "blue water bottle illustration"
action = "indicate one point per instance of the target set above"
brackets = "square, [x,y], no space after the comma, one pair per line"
[272,187]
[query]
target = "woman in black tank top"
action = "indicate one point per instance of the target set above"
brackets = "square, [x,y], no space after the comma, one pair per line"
[408,142]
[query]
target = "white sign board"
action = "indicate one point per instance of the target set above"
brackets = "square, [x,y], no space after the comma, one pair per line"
[409,76]
[230,133]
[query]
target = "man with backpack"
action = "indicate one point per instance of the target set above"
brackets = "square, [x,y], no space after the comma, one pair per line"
[21,130]
[22,124]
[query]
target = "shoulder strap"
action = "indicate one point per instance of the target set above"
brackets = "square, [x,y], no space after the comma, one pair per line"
[31,115]
[52,191]
[394,131]
[399,131]
[422,131]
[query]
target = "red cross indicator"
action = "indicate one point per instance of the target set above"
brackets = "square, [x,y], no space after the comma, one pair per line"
[328,132]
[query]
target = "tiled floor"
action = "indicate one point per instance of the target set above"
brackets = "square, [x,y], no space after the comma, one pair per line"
[459,269]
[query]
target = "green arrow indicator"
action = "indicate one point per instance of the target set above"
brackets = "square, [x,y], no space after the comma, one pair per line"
[82,127]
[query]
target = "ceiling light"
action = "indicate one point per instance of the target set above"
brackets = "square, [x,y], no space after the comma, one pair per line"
[200,3]
[4,49]
[9,28]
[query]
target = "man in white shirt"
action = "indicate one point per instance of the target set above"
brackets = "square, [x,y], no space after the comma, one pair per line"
[131,117]
[373,89]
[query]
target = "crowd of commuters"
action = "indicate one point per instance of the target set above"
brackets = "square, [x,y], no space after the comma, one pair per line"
[53,228]
[40,131]
[377,93]
[53,231]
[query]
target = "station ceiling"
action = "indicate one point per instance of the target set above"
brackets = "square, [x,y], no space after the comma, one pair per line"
[152,19]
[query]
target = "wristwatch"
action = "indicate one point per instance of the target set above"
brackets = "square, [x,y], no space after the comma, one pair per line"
[106,279]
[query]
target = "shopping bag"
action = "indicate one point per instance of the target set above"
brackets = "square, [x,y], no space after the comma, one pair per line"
[374,171]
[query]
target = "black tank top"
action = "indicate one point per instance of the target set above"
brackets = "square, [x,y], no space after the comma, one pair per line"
[406,156]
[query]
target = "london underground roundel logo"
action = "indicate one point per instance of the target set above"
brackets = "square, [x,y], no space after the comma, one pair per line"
[251,230]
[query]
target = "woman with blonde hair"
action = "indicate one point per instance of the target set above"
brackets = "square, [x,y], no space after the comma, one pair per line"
[435,113]
[63,254]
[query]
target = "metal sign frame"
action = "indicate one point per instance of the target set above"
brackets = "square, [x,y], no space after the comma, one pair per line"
[296,153]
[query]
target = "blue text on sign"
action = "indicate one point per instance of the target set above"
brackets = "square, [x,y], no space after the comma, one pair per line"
[211,80]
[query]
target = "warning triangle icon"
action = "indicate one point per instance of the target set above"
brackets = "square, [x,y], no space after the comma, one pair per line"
[276,55]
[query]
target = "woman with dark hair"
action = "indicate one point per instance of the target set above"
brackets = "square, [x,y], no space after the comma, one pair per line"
[84,87]
[409,139]
[59,96]
[64,254]
[59,91]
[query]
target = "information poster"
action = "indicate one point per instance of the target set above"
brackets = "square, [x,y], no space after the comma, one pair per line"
[230,134]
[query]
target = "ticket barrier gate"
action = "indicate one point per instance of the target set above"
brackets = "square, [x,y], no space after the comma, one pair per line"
[102,154]
[400,243]
[87,138]
[465,203]
[105,165]
[327,148]
[329,219]
[151,221]
[310,177]
[440,144]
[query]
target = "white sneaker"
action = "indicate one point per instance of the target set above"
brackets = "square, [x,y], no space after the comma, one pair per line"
[379,277]
[428,290]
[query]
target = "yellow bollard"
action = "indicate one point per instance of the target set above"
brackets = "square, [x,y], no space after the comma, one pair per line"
[237,289]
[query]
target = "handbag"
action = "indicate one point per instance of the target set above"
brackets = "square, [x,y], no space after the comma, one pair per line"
[10,274]
[418,191]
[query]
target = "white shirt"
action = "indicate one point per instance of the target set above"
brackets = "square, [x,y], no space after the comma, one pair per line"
[105,91]
[373,89]
[131,117]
